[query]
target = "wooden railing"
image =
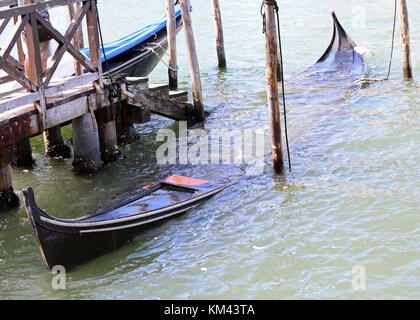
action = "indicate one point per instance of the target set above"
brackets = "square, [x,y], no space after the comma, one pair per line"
[36,81]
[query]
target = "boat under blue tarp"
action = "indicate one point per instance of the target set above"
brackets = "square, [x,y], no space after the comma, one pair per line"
[115,48]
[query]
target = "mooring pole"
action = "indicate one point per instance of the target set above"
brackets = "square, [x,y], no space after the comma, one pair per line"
[171,29]
[194,66]
[405,40]
[220,43]
[272,86]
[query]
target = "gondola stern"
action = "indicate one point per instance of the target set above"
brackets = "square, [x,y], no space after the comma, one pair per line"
[340,42]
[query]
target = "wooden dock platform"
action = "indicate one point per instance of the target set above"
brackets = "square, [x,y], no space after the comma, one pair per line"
[101,111]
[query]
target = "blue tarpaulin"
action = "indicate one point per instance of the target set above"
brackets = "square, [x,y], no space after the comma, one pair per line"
[114,48]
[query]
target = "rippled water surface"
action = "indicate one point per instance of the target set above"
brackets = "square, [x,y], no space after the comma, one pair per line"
[352,198]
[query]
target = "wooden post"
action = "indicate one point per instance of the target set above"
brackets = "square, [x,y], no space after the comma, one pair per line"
[194,66]
[54,144]
[126,133]
[171,29]
[272,87]
[220,45]
[77,41]
[23,151]
[94,47]
[107,134]
[405,40]
[8,199]
[23,154]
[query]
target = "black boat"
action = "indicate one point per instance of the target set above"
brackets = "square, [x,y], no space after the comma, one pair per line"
[135,55]
[72,242]
[341,62]
[342,47]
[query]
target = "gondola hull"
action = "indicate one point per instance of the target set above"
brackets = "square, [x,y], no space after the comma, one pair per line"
[70,243]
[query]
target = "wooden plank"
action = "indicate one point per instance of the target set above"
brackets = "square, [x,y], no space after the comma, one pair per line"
[69,83]
[4,24]
[94,46]
[31,8]
[19,101]
[68,111]
[11,41]
[7,3]
[162,107]
[77,40]
[5,79]
[19,77]
[178,96]
[19,44]
[70,95]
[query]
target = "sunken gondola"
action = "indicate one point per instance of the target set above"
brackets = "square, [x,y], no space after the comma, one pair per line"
[72,242]
[341,61]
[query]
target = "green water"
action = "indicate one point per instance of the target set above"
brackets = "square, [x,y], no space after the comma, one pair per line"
[352,198]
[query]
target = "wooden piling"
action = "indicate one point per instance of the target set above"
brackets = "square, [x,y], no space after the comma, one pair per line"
[220,44]
[8,199]
[126,133]
[194,66]
[272,87]
[23,155]
[107,134]
[87,152]
[171,29]
[405,40]
[54,144]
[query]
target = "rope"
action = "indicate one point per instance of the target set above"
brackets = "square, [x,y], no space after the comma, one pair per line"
[115,89]
[163,61]
[368,80]
[393,39]
[276,9]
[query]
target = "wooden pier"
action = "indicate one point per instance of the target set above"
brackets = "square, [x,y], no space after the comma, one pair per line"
[100,120]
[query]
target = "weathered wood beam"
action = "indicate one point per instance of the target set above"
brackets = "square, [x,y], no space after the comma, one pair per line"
[94,47]
[63,46]
[169,109]
[31,8]
[90,66]
[77,40]
[4,24]
[7,3]
[14,36]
